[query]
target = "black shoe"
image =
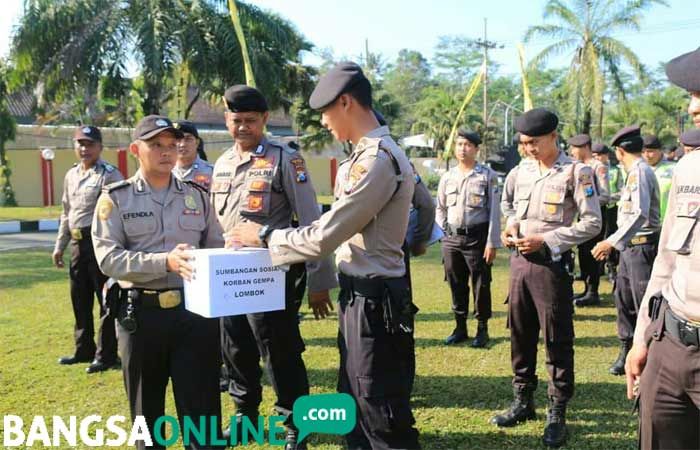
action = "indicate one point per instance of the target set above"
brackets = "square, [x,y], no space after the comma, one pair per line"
[555,431]
[70,360]
[99,366]
[482,335]
[238,424]
[618,367]
[590,299]
[460,332]
[290,441]
[522,409]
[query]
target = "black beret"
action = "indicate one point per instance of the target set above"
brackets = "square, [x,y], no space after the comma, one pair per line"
[380,118]
[471,136]
[691,138]
[629,138]
[87,132]
[242,98]
[337,81]
[536,122]
[684,71]
[670,149]
[600,148]
[151,126]
[186,127]
[651,141]
[580,140]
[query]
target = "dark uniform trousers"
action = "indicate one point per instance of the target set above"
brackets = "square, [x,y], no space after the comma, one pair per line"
[669,393]
[631,283]
[86,282]
[463,257]
[590,268]
[275,336]
[540,298]
[610,227]
[375,339]
[171,344]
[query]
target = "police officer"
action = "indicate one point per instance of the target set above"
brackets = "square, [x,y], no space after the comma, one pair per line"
[81,188]
[265,182]
[468,211]
[141,232]
[551,190]
[580,147]
[665,360]
[663,169]
[690,140]
[636,238]
[616,178]
[366,225]
[189,166]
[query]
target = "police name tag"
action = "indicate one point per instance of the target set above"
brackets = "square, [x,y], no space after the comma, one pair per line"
[232,282]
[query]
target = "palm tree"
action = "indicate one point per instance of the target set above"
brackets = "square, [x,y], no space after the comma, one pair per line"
[584,28]
[7,133]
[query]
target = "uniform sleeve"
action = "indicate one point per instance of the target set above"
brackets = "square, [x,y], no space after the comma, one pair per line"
[374,187]
[589,216]
[508,196]
[301,195]
[441,209]
[213,234]
[494,236]
[641,203]
[108,240]
[113,177]
[425,207]
[602,175]
[63,236]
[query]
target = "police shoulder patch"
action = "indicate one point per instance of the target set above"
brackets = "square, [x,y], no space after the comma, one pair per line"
[108,167]
[355,175]
[104,207]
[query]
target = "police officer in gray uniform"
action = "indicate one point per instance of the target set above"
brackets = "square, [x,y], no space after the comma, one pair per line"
[366,224]
[265,182]
[636,238]
[189,166]
[141,231]
[81,188]
[551,190]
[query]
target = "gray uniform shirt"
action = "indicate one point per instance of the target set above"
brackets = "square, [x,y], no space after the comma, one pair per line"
[200,172]
[81,189]
[508,195]
[602,180]
[367,223]
[133,231]
[425,207]
[548,202]
[676,271]
[468,199]
[638,209]
[269,186]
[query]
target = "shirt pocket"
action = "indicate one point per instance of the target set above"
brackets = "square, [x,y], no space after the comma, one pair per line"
[477,194]
[683,231]
[192,222]
[553,204]
[522,200]
[451,193]
[257,199]
[140,226]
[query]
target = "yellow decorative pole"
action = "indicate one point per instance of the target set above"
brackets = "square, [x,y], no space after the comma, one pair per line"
[527,100]
[470,93]
[233,10]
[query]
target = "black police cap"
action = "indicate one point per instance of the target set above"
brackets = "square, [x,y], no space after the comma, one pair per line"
[242,98]
[471,136]
[684,71]
[599,148]
[651,141]
[580,140]
[87,132]
[186,127]
[629,138]
[337,81]
[151,126]
[536,122]
[691,138]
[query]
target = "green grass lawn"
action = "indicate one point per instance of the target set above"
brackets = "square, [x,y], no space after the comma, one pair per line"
[29,212]
[457,389]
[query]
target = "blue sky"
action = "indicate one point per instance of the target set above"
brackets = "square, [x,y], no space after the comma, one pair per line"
[391,25]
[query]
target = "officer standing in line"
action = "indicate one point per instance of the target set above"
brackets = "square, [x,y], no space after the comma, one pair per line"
[616,177]
[551,190]
[664,359]
[366,224]
[663,169]
[189,166]
[508,194]
[141,231]
[81,188]
[636,238]
[266,183]
[580,147]
[690,140]
[468,211]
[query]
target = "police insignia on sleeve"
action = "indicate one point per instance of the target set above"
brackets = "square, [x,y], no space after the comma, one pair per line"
[104,207]
[588,190]
[300,170]
[357,172]
[632,182]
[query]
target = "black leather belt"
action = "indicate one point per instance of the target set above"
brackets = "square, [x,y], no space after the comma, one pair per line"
[161,299]
[644,239]
[687,333]
[468,231]
[366,287]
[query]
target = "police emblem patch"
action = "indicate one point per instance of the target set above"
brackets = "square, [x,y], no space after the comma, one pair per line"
[104,207]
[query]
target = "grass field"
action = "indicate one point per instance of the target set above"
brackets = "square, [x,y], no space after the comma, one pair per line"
[456,392]
[29,212]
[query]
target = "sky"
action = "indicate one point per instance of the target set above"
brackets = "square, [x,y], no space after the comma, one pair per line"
[392,25]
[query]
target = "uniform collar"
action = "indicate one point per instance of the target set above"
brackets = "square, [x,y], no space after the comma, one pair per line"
[141,186]
[377,133]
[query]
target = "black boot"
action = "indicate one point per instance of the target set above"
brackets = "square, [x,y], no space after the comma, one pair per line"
[460,332]
[482,335]
[522,409]
[290,441]
[618,367]
[555,431]
[590,297]
[237,423]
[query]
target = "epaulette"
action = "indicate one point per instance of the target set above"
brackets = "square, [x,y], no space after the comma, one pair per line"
[196,186]
[115,186]
[108,167]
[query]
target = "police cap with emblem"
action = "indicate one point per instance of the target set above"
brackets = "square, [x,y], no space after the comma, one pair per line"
[629,139]
[599,148]
[470,136]
[536,122]
[684,71]
[580,140]
[651,141]
[87,132]
[341,79]
[242,98]
[151,126]
[186,127]
[691,138]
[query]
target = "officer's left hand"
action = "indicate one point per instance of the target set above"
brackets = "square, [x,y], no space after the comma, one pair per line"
[602,250]
[320,303]
[529,244]
[489,255]
[245,234]
[634,365]
[177,261]
[419,249]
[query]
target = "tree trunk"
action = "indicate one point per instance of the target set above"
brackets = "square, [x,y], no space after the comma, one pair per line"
[190,104]
[587,119]
[8,194]
[151,102]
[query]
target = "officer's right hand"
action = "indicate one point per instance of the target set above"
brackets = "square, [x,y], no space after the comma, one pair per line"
[634,365]
[57,258]
[177,262]
[510,232]
[320,303]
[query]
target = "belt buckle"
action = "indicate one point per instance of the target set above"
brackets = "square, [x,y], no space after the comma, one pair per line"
[639,240]
[169,299]
[688,334]
[76,234]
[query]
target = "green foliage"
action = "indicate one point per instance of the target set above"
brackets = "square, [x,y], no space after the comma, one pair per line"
[7,133]
[431,181]
[457,59]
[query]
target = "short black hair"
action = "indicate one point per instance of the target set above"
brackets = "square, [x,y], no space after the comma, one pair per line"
[362,93]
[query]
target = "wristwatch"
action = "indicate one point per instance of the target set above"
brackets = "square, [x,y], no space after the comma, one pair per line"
[264,233]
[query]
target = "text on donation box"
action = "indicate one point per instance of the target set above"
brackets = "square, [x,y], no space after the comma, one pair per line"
[232,282]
